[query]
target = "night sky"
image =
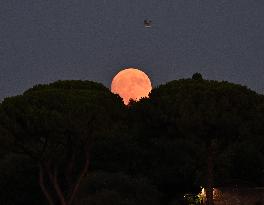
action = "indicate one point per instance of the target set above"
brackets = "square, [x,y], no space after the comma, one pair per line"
[46,40]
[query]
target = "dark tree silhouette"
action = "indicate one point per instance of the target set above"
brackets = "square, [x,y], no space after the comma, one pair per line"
[55,125]
[188,133]
[215,113]
[197,76]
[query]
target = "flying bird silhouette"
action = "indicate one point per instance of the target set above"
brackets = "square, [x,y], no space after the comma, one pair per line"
[147,23]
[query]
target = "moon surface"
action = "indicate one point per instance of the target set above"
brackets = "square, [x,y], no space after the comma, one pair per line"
[131,83]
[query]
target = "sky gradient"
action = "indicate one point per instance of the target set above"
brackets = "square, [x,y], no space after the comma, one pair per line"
[46,40]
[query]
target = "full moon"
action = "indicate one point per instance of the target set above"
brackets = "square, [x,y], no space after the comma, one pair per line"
[132,84]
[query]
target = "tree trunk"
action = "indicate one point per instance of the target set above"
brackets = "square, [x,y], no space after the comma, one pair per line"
[43,188]
[52,174]
[79,179]
[210,167]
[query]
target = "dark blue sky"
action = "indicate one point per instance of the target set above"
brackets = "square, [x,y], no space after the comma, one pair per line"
[46,40]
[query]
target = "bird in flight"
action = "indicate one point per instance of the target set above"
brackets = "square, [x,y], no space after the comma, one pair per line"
[147,23]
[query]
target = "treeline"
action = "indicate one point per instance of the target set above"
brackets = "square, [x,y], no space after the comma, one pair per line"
[76,143]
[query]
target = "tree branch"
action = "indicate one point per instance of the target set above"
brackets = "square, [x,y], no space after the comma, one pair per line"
[78,181]
[58,189]
[54,180]
[42,185]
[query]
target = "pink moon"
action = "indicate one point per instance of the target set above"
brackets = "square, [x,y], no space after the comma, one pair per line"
[131,83]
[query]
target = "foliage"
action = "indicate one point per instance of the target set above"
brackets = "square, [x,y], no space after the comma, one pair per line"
[171,164]
[55,125]
[18,176]
[242,162]
[191,199]
[209,113]
[102,188]
[197,76]
[56,132]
